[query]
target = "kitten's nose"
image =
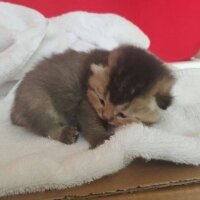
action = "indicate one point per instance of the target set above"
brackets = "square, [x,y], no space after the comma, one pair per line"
[107,116]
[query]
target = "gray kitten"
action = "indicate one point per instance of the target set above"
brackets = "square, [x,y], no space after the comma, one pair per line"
[51,100]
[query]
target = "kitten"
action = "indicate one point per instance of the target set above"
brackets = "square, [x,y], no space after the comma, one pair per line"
[87,92]
[134,87]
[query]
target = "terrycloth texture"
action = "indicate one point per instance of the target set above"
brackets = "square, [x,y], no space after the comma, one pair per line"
[31,163]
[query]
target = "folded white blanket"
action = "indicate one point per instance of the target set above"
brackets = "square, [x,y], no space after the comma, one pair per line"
[31,163]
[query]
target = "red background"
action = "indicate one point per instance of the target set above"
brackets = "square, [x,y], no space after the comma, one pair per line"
[173,26]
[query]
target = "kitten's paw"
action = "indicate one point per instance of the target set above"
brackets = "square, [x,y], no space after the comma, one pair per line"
[69,135]
[98,141]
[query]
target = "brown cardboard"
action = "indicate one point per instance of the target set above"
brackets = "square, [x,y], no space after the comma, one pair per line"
[137,180]
[176,193]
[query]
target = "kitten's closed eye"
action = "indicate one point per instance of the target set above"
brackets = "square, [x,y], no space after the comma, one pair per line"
[102,101]
[164,101]
[122,115]
[99,98]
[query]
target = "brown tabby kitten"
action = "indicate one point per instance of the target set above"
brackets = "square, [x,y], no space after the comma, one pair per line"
[77,91]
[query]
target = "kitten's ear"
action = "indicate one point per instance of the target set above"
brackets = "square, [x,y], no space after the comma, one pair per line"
[113,58]
[164,101]
[96,68]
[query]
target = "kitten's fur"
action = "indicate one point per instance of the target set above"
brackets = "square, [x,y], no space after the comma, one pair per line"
[77,90]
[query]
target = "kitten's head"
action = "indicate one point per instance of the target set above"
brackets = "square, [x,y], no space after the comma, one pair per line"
[135,86]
